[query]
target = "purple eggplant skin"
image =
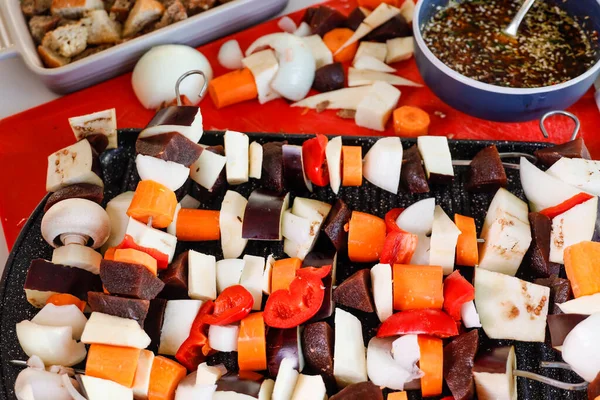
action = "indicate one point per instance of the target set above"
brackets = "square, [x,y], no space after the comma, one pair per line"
[394,28]
[135,309]
[560,325]
[45,276]
[262,218]
[175,115]
[333,226]
[359,391]
[170,146]
[246,382]
[560,291]
[317,346]
[573,149]
[486,172]
[329,77]
[77,191]
[293,171]
[154,322]
[459,358]
[175,278]
[493,361]
[323,254]
[355,292]
[325,19]
[356,17]
[130,280]
[539,251]
[308,14]
[282,343]
[272,167]
[412,175]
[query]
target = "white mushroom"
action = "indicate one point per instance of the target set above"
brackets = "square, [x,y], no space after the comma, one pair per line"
[76,221]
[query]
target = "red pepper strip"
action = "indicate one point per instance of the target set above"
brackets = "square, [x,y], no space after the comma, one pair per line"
[419,322]
[398,248]
[316,272]
[233,304]
[162,259]
[566,205]
[194,350]
[447,398]
[390,220]
[315,163]
[457,291]
[288,308]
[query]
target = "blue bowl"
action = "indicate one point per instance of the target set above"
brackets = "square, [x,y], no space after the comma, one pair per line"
[497,103]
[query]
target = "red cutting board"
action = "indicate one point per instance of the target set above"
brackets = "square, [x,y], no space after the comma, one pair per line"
[29,137]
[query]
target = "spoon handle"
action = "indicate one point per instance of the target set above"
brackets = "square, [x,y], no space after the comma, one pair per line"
[513,27]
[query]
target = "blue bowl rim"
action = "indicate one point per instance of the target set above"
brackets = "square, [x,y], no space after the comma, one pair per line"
[486,86]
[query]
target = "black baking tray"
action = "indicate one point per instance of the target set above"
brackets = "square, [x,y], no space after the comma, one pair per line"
[120,175]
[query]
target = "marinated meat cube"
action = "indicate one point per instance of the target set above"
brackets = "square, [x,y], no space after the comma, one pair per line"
[175,278]
[131,280]
[172,146]
[135,309]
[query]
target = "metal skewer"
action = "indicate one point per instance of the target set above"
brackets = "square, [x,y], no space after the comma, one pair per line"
[182,77]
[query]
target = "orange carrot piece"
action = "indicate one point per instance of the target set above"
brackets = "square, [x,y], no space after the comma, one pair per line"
[164,378]
[335,38]
[134,256]
[117,364]
[397,396]
[252,345]
[153,200]
[198,225]
[582,263]
[284,272]
[467,252]
[65,299]
[366,237]
[432,364]
[109,254]
[411,122]
[233,87]
[418,287]
[373,4]
[351,166]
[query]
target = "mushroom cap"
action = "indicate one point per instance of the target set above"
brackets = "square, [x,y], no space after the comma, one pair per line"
[76,217]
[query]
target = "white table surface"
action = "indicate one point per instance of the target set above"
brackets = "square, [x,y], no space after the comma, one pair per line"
[21,90]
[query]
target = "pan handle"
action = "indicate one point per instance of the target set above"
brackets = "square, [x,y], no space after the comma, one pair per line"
[7,46]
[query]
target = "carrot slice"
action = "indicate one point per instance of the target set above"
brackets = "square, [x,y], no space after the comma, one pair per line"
[164,378]
[411,122]
[284,272]
[233,87]
[373,4]
[432,365]
[134,256]
[198,225]
[336,38]
[153,200]
[467,252]
[252,345]
[418,287]
[582,263]
[397,396]
[65,299]
[109,254]
[366,237]
[352,166]
[117,364]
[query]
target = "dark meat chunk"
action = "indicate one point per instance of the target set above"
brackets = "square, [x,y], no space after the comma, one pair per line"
[355,293]
[329,77]
[78,191]
[334,225]
[325,19]
[560,325]
[131,280]
[560,291]
[573,149]
[356,17]
[175,278]
[459,358]
[308,14]
[539,251]
[39,25]
[135,309]
[317,345]
[359,391]
[395,27]
[272,167]
[154,321]
[412,175]
[486,172]
[172,146]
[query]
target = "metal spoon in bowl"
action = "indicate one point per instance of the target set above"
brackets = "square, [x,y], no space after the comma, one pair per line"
[513,27]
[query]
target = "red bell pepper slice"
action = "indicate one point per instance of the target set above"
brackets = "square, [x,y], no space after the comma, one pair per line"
[288,308]
[233,304]
[427,321]
[398,248]
[566,205]
[315,163]
[316,272]
[162,259]
[390,219]
[457,291]
[194,349]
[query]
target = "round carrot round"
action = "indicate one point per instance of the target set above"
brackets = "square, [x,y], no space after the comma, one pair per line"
[335,39]
[411,122]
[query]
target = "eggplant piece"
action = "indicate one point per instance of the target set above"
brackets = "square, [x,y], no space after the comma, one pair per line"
[284,343]
[334,225]
[486,172]
[356,17]
[263,215]
[323,254]
[293,169]
[459,358]
[317,342]
[393,28]
[244,382]
[560,291]
[272,167]
[325,19]
[169,146]
[154,322]
[539,250]
[175,278]
[573,149]
[329,77]
[186,120]
[493,373]
[45,279]
[86,191]
[437,159]
[77,163]
[131,280]
[412,174]
[354,292]
[560,325]
[135,309]
[359,391]
[308,14]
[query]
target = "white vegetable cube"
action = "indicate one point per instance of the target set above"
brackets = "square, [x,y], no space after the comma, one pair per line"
[236,150]
[295,228]
[578,172]
[319,50]
[286,380]
[267,274]
[231,220]
[102,389]
[101,122]
[202,276]
[399,49]
[381,281]
[264,67]
[114,331]
[251,278]
[407,10]
[505,202]
[78,256]
[223,337]
[309,387]
[146,236]
[167,173]
[373,49]
[141,381]
[70,166]
[256,159]
[206,169]
[209,374]
[117,213]
[469,315]
[370,63]
[571,227]
[178,320]
[229,273]
[266,389]
[444,236]
[375,109]
[349,358]
[62,316]
[436,156]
